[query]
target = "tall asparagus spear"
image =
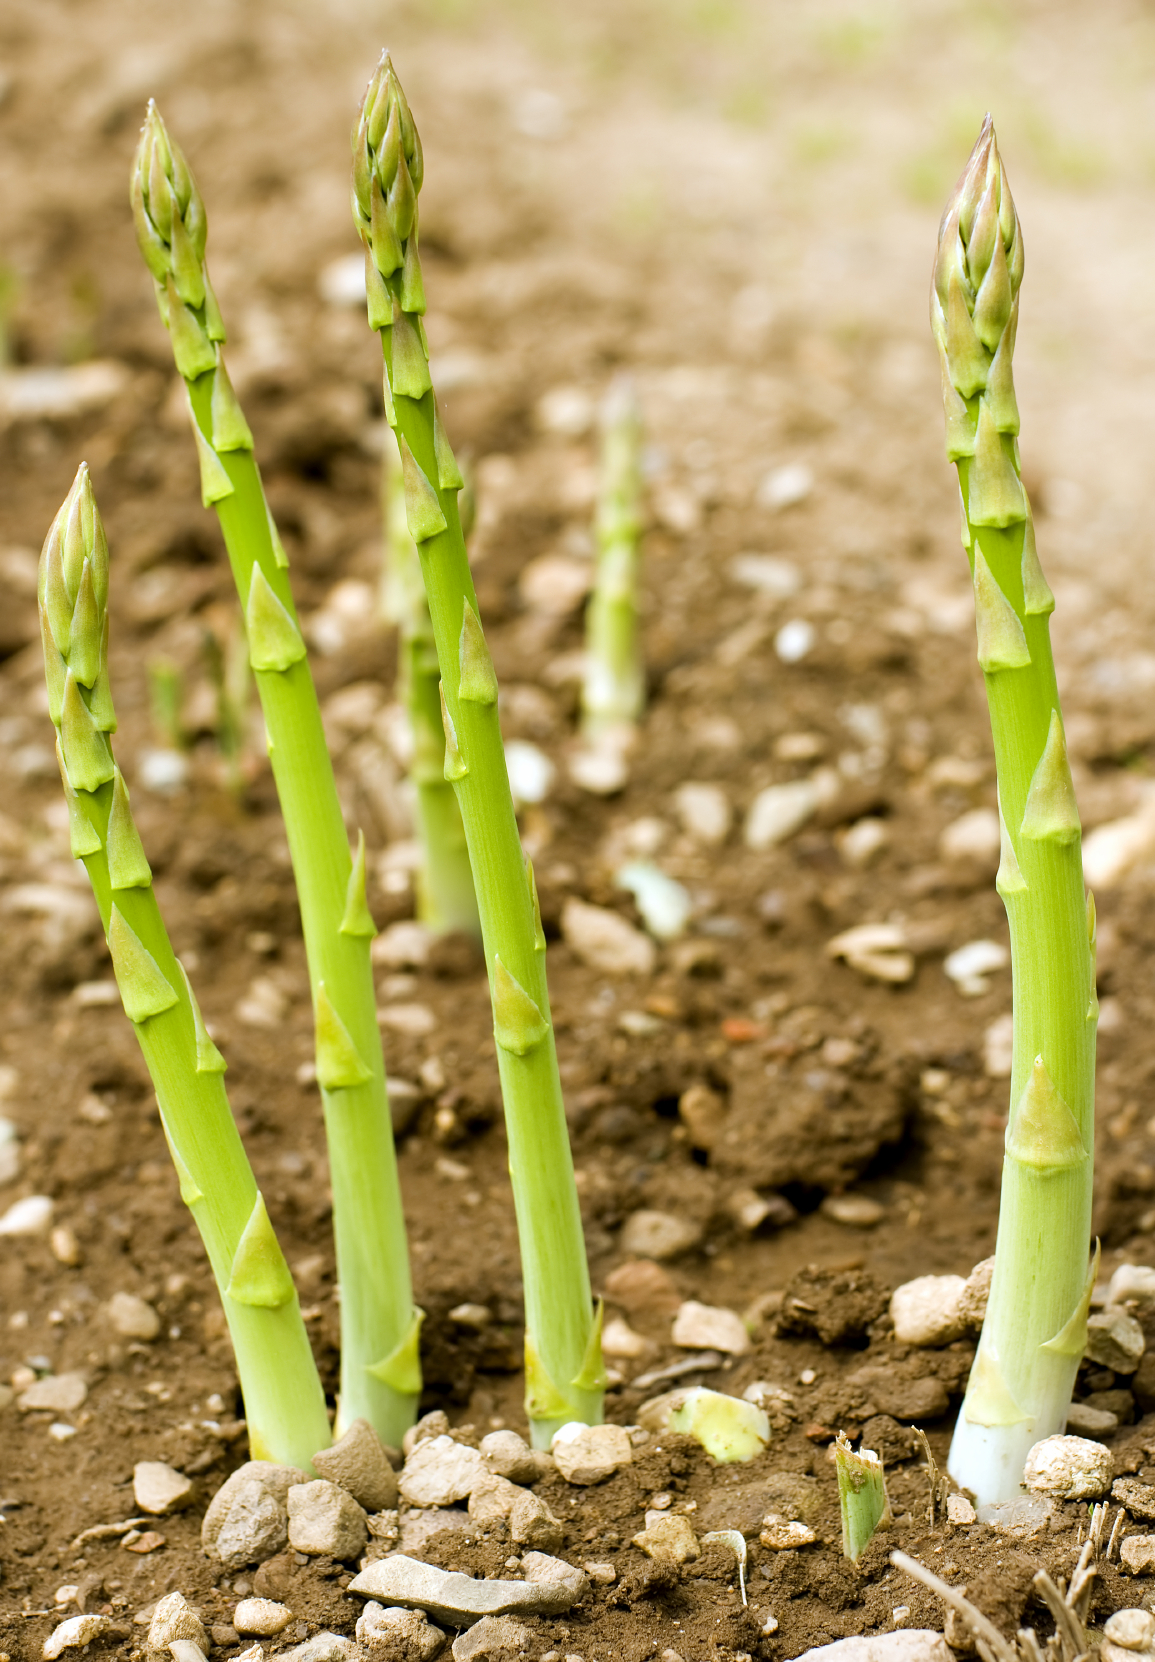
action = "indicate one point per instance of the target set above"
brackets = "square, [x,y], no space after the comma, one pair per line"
[380,1373]
[445,893]
[284,1403]
[565,1379]
[1035,1328]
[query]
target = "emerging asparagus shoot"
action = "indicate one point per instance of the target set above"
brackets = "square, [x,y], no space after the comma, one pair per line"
[284,1403]
[861,1496]
[614,687]
[1035,1328]
[380,1374]
[565,1379]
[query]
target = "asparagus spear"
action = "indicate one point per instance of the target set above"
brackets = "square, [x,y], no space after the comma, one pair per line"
[445,895]
[1035,1328]
[380,1372]
[565,1379]
[284,1403]
[614,686]
[861,1496]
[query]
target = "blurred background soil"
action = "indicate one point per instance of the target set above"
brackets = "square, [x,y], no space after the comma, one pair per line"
[736,202]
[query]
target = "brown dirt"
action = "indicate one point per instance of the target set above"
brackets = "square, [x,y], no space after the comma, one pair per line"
[733,202]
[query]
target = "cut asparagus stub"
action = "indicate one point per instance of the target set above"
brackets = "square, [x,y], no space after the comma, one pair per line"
[1032,1340]
[861,1496]
[372,1254]
[565,1379]
[728,1428]
[284,1403]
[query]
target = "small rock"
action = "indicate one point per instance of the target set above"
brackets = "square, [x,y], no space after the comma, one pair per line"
[532,1524]
[704,811]
[837,1306]
[877,950]
[959,1510]
[440,1471]
[433,1424]
[1085,1421]
[1070,1468]
[1115,1340]
[643,1288]
[132,1317]
[1137,1554]
[358,1463]
[905,1644]
[262,1618]
[998,1047]
[620,1341]
[795,640]
[159,1488]
[784,486]
[1024,1516]
[30,1216]
[904,1399]
[226,1636]
[925,1311]
[670,1539]
[9,1150]
[403,945]
[778,811]
[148,1541]
[606,941]
[508,1455]
[588,1454]
[604,1574]
[659,1235]
[458,1600]
[781,1535]
[322,1647]
[492,1498]
[173,1618]
[247,1518]
[972,1301]
[419,1527]
[863,840]
[397,1635]
[492,1639]
[855,1211]
[970,966]
[703,1113]
[66,1249]
[664,904]
[60,1393]
[1131,1629]
[72,1634]
[1132,1281]
[1138,1498]
[750,1210]
[324,1518]
[973,836]
[710,1327]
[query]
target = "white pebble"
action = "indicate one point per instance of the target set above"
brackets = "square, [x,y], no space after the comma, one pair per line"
[531,773]
[863,840]
[664,904]
[9,1150]
[72,1634]
[876,950]
[969,966]
[342,283]
[1131,1281]
[605,940]
[1115,1340]
[704,811]
[710,1327]
[855,1211]
[650,1234]
[925,1311]
[767,574]
[263,1618]
[783,486]
[780,810]
[1132,1629]
[998,1047]
[1070,1468]
[795,640]
[974,835]
[959,1510]
[414,1019]
[587,1454]
[1137,1553]
[1110,851]
[30,1216]
[162,771]
[133,1317]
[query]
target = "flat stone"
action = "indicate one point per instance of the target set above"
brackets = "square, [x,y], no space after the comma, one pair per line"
[643,1288]
[1131,1629]
[397,1635]
[263,1618]
[778,811]
[710,1327]
[1115,1340]
[546,1571]
[606,941]
[588,1454]
[1138,1498]
[600,1571]
[491,1499]
[61,1393]
[658,1235]
[173,1619]
[72,1634]
[456,1599]
[1023,1517]
[133,1317]
[322,1647]
[1137,1554]
[782,1534]
[1085,1421]
[908,1644]
[853,1211]
[1069,1468]
[925,1311]
[158,1488]
[492,1639]
[440,1471]
[669,1539]
[358,1463]
[420,1526]
[325,1519]
[508,1455]
[959,1510]
[532,1524]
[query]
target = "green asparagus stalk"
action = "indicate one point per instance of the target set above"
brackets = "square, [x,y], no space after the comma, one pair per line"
[1035,1328]
[565,1379]
[445,895]
[614,688]
[284,1402]
[380,1373]
[861,1496]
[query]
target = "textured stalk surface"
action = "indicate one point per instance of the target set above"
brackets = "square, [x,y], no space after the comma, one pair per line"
[380,1374]
[861,1496]
[565,1379]
[1035,1328]
[284,1403]
[614,688]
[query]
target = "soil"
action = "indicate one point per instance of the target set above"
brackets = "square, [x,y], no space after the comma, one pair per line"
[731,203]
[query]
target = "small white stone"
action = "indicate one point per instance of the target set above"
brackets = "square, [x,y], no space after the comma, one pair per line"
[1137,1554]
[777,812]
[660,1235]
[415,1019]
[1135,1281]
[664,904]
[325,1519]
[669,1539]
[620,1341]
[133,1317]
[264,1618]
[710,1327]
[554,585]
[925,1311]
[972,1303]
[959,1510]
[974,835]
[531,773]
[704,811]
[587,1454]
[9,1150]
[1070,1468]
[159,1488]
[61,1432]
[863,840]
[1115,1340]
[30,1216]
[876,950]
[606,941]
[998,1047]
[403,945]
[767,574]
[853,1211]
[72,1634]
[1131,1629]
[173,1619]
[1085,1421]
[786,485]
[780,1535]
[508,1455]
[1111,850]
[60,1393]
[440,1471]
[602,1573]
[970,965]
[901,1644]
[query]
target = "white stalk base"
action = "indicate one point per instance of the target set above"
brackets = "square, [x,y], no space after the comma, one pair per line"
[989,1459]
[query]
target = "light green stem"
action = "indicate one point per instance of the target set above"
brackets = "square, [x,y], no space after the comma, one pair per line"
[380,1375]
[1035,1328]
[613,691]
[861,1496]
[564,1375]
[284,1403]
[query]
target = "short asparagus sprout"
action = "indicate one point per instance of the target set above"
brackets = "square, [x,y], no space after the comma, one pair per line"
[380,1372]
[614,689]
[861,1495]
[284,1402]
[165,699]
[565,1376]
[445,896]
[1035,1328]
[728,1428]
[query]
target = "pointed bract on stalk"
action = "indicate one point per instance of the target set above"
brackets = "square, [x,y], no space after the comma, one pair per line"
[1032,1339]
